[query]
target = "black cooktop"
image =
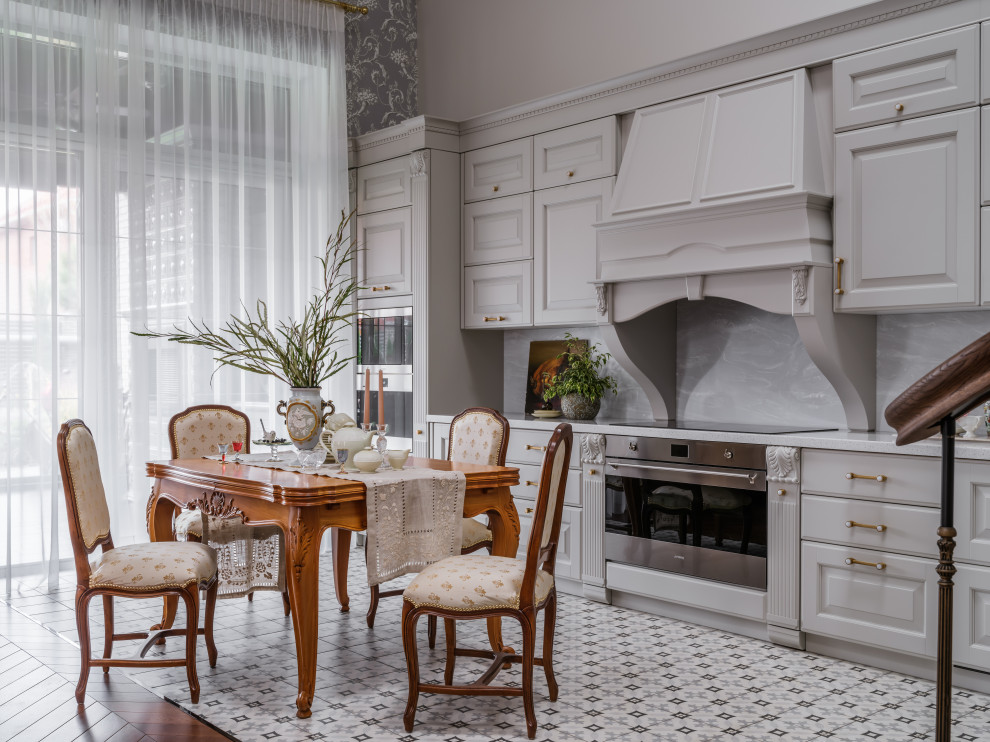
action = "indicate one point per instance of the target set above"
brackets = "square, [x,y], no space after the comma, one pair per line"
[724,427]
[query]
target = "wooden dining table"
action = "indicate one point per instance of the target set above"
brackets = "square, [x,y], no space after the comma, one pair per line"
[304,506]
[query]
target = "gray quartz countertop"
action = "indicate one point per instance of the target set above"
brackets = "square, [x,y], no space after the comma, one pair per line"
[978,449]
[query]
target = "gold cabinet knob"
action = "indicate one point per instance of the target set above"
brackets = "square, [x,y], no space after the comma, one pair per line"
[592,472]
[494,189]
[899,107]
[419,432]
[570,173]
[529,510]
[781,492]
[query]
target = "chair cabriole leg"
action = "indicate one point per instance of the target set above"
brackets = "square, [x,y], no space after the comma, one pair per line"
[373,606]
[108,630]
[286,607]
[528,623]
[409,618]
[190,596]
[82,627]
[450,634]
[550,623]
[211,604]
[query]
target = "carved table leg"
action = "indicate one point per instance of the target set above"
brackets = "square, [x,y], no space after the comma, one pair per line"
[159,513]
[943,691]
[504,525]
[303,562]
[340,544]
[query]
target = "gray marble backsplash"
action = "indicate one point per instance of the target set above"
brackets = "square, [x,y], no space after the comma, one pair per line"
[737,363]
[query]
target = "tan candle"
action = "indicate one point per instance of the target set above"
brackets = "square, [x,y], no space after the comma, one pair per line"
[367,395]
[381,397]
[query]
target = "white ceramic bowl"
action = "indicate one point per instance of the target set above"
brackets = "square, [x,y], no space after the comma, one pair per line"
[367,460]
[397,457]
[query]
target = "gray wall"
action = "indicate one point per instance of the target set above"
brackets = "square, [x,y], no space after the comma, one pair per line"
[736,363]
[382,65]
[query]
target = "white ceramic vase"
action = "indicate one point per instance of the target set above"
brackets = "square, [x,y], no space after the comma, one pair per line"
[305,414]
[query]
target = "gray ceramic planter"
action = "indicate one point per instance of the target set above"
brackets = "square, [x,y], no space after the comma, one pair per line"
[576,407]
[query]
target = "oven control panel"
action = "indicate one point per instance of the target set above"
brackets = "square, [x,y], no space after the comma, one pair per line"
[711,453]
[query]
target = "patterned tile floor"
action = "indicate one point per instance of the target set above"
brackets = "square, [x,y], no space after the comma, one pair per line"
[623,675]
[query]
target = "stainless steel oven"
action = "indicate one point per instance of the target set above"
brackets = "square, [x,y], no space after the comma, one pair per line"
[385,343]
[696,508]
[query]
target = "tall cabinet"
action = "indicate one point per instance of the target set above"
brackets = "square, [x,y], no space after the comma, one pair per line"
[407,181]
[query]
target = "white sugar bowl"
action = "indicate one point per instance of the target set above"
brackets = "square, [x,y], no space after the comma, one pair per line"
[367,460]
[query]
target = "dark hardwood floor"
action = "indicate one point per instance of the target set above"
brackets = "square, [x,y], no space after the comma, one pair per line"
[38,674]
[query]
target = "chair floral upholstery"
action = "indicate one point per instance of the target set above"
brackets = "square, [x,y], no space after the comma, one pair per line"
[154,566]
[87,489]
[470,582]
[473,533]
[249,558]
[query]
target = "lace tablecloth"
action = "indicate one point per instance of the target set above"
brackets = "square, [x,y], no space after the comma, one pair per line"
[414,515]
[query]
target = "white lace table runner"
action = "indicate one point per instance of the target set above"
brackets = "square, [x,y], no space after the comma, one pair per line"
[414,515]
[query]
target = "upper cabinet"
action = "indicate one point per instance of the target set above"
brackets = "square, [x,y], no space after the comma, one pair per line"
[907,193]
[575,154]
[384,185]
[385,259]
[502,170]
[928,75]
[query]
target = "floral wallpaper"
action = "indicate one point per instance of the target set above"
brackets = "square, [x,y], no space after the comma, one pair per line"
[382,68]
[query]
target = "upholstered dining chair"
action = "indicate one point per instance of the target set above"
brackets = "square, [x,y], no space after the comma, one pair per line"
[477,586]
[134,571]
[249,558]
[478,435]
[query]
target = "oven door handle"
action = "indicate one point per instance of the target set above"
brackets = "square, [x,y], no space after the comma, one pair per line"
[716,477]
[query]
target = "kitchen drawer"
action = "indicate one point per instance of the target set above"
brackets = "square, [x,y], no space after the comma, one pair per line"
[498,230]
[914,480]
[907,528]
[971,617]
[894,607]
[384,185]
[528,447]
[501,170]
[498,295]
[926,75]
[575,153]
[972,511]
[568,545]
[529,485]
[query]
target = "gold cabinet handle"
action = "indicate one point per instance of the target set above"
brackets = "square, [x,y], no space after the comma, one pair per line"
[781,492]
[838,276]
[878,565]
[381,288]
[874,477]
[592,472]
[494,189]
[419,432]
[535,448]
[497,318]
[898,107]
[531,484]
[529,510]
[853,524]
[570,173]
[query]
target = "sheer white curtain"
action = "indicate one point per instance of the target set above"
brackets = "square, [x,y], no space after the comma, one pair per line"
[160,159]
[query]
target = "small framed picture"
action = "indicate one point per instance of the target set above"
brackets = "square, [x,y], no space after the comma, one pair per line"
[544,364]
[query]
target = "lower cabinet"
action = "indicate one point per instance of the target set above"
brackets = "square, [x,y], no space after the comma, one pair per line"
[568,548]
[971,618]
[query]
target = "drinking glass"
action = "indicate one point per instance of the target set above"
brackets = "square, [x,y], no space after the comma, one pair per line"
[238,445]
[313,459]
[222,449]
[341,454]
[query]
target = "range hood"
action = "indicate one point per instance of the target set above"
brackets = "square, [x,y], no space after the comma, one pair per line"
[725,194]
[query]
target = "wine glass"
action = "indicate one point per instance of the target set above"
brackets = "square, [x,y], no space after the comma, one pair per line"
[222,449]
[238,445]
[341,454]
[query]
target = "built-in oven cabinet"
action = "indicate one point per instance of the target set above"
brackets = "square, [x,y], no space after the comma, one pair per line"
[384,262]
[905,214]
[872,597]
[575,153]
[384,185]
[911,480]
[501,170]
[923,76]
[497,296]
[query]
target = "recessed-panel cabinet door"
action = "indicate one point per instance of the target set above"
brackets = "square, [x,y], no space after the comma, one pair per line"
[385,255]
[568,545]
[498,230]
[971,618]
[384,185]
[566,255]
[906,214]
[575,153]
[501,170]
[498,295]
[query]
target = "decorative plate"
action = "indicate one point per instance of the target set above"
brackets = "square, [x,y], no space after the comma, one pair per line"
[546,413]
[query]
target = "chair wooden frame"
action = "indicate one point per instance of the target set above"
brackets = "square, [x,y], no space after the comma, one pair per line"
[174,449]
[85,593]
[537,557]
[503,448]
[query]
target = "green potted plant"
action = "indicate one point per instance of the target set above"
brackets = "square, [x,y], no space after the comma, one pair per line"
[581,385]
[303,353]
